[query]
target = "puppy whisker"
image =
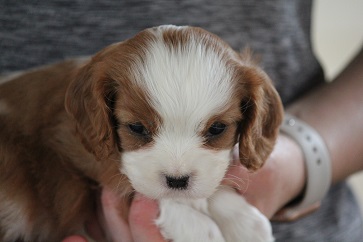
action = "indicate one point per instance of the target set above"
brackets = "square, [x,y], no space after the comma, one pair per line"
[238,181]
[237,177]
[237,185]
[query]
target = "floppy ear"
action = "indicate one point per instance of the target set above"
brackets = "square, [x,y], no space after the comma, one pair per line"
[89,100]
[262,113]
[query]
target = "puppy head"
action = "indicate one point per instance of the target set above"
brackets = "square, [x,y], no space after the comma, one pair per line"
[172,102]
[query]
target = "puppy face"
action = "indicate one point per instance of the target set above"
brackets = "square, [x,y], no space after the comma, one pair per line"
[171,103]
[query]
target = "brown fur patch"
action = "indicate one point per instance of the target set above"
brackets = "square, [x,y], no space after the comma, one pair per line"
[36,169]
[262,115]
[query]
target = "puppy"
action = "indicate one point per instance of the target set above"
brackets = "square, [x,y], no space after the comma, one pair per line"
[158,114]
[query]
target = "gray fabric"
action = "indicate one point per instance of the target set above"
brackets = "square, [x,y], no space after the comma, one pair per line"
[338,220]
[39,32]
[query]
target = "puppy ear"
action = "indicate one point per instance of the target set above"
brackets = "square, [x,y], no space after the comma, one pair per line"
[262,113]
[89,100]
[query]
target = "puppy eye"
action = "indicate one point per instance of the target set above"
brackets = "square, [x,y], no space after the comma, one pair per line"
[138,128]
[216,129]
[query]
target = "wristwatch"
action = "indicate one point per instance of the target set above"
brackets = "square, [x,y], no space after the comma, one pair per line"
[318,169]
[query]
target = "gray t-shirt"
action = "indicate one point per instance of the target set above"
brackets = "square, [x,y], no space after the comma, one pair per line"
[39,32]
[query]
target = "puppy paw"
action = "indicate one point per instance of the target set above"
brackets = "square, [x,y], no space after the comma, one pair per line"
[187,221]
[237,219]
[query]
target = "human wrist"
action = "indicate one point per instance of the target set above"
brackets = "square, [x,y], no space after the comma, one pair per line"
[291,165]
[317,166]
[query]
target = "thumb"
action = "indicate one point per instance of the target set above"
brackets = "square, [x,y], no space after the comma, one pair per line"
[143,213]
[117,228]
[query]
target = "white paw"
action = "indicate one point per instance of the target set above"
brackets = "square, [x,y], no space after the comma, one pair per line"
[237,219]
[187,221]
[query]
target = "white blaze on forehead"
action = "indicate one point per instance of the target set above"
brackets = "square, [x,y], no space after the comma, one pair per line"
[186,84]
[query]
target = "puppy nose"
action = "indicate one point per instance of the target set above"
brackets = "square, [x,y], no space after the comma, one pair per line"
[180,183]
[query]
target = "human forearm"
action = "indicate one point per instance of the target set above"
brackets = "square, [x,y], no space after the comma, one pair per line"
[335,110]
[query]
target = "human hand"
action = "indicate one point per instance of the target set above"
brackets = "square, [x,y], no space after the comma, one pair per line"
[141,226]
[279,181]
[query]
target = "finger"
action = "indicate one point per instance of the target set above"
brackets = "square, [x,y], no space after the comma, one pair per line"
[143,213]
[117,228]
[74,238]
